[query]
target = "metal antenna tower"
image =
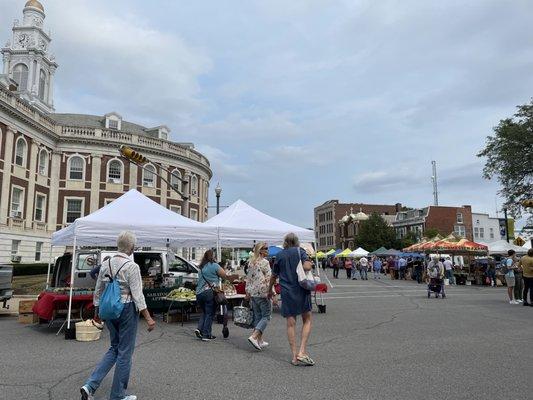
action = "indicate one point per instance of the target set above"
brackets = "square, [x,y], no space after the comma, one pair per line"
[435,186]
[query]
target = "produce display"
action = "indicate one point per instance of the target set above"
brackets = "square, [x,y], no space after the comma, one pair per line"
[182,294]
[229,289]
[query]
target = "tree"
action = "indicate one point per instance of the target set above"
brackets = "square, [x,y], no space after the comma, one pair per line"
[408,240]
[430,233]
[374,233]
[509,157]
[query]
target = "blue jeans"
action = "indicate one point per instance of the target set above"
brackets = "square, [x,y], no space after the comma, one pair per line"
[364,273]
[450,276]
[354,273]
[262,308]
[377,272]
[206,302]
[123,332]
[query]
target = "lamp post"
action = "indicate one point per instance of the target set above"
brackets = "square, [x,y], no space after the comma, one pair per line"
[218,191]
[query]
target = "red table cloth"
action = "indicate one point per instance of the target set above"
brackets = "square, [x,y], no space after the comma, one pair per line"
[48,302]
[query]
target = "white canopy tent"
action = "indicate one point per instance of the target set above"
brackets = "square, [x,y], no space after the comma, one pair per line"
[359,252]
[241,225]
[502,247]
[153,225]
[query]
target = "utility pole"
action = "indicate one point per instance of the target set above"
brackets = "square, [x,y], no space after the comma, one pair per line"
[435,186]
[506,224]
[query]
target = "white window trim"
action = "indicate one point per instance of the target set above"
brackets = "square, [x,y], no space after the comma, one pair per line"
[44,207]
[180,177]
[121,170]
[65,208]
[45,173]
[191,212]
[40,251]
[194,188]
[82,172]
[461,221]
[24,155]
[22,201]
[175,208]
[18,241]
[154,176]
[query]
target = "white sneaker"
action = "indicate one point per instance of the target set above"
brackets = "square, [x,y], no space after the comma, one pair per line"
[130,397]
[254,343]
[86,393]
[263,344]
[519,301]
[513,302]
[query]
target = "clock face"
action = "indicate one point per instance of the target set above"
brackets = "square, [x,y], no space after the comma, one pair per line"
[23,39]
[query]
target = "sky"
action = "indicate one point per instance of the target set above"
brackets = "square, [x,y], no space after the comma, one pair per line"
[296,103]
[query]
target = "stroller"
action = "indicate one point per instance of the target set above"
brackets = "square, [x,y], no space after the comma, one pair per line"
[436,281]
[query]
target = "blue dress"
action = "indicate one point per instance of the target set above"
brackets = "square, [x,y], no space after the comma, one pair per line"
[295,300]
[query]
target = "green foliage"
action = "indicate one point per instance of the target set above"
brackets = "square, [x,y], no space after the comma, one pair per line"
[430,233]
[406,241]
[509,158]
[374,233]
[30,269]
[226,255]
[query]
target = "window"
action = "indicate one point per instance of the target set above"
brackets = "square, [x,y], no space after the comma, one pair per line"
[491,233]
[194,186]
[459,218]
[149,176]
[194,214]
[15,244]
[481,233]
[175,179]
[476,232]
[176,209]
[113,124]
[43,162]
[73,210]
[42,86]
[163,135]
[20,75]
[460,230]
[40,202]
[76,167]
[38,250]
[20,151]
[114,172]
[17,200]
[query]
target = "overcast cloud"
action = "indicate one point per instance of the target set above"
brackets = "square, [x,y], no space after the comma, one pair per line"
[299,102]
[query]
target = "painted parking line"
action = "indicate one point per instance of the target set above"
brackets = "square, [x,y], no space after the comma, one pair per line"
[420,294]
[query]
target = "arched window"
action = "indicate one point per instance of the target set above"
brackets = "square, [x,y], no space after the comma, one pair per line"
[43,162]
[149,176]
[42,85]
[76,167]
[20,152]
[175,179]
[194,186]
[114,171]
[20,75]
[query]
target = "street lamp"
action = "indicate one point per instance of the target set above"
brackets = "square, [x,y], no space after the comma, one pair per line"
[218,191]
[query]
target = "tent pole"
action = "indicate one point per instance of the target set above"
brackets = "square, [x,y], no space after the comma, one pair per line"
[71,282]
[49,266]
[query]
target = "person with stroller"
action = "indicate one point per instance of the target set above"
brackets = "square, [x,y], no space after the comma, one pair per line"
[435,273]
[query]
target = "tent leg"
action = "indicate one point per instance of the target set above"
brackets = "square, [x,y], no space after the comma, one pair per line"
[71,282]
[49,266]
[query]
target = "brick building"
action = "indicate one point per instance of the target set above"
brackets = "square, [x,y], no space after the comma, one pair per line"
[330,232]
[445,219]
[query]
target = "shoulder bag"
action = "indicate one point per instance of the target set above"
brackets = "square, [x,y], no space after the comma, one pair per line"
[220,297]
[306,279]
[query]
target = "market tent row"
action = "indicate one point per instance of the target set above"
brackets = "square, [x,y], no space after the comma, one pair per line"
[358,253]
[241,225]
[502,247]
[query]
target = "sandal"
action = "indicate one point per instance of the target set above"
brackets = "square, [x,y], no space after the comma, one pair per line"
[306,360]
[296,363]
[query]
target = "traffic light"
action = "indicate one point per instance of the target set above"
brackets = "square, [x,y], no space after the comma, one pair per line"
[528,203]
[132,155]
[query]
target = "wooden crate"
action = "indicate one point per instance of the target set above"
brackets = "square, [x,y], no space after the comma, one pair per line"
[26,306]
[28,318]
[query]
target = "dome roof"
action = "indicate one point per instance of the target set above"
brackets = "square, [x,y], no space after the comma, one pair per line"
[345,219]
[360,216]
[34,4]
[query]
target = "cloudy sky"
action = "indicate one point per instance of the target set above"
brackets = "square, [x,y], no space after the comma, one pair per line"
[297,102]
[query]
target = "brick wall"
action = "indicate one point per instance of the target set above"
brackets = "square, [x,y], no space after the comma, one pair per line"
[445,218]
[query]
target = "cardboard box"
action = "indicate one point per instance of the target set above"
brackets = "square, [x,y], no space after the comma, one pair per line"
[28,318]
[26,306]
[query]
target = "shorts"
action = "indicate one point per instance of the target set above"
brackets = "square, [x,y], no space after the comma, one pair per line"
[510,281]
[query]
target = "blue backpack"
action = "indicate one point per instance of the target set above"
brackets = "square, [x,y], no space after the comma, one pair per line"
[111,305]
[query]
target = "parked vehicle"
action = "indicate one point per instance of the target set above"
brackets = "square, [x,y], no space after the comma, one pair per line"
[152,263]
[6,284]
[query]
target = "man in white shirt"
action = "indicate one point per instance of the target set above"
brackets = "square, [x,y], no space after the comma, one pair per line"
[363,263]
[448,266]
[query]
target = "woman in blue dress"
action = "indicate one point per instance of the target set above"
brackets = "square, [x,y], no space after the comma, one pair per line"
[295,300]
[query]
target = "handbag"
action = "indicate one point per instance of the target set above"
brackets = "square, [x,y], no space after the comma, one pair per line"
[306,279]
[220,297]
[243,316]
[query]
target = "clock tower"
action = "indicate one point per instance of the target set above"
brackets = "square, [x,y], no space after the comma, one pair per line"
[27,58]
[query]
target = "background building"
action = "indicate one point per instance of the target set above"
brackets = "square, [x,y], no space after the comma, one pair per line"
[332,232]
[486,229]
[55,168]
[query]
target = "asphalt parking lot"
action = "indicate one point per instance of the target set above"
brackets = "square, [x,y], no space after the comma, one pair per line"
[378,340]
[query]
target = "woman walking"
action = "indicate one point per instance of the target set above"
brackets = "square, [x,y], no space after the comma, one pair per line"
[526,262]
[122,330]
[257,282]
[295,300]
[208,280]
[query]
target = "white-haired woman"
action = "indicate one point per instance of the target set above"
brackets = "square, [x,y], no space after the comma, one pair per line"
[295,300]
[257,281]
[123,330]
